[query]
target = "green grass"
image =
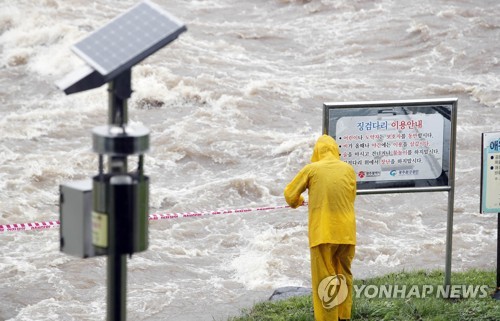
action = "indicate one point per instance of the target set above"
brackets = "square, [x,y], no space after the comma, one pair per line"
[430,308]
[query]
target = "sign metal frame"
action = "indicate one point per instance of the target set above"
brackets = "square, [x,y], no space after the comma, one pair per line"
[490,187]
[448,154]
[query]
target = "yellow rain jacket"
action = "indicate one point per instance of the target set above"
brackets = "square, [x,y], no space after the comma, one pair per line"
[331,184]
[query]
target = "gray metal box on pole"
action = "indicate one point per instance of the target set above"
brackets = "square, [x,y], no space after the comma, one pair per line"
[75,213]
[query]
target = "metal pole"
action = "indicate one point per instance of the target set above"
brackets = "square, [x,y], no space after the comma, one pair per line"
[498,253]
[116,269]
[451,195]
[117,287]
[449,236]
[496,295]
[119,92]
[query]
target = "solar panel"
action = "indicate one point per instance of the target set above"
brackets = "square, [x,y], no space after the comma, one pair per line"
[128,39]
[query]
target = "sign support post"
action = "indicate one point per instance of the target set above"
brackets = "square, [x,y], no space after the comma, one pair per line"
[496,295]
[449,237]
[451,195]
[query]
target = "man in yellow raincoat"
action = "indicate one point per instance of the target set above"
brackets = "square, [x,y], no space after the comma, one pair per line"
[331,185]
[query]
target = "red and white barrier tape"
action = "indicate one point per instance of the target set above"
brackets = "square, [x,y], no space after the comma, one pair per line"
[152,217]
[29,226]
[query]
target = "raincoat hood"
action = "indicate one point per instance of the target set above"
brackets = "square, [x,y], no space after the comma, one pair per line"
[326,147]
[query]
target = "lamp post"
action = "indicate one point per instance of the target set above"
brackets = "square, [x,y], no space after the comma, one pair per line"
[114,219]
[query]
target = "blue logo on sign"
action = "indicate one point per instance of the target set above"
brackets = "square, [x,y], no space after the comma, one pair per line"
[392,173]
[495,145]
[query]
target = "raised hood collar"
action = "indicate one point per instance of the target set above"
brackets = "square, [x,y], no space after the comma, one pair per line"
[326,147]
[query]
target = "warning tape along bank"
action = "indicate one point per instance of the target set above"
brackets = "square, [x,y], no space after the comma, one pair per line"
[152,217]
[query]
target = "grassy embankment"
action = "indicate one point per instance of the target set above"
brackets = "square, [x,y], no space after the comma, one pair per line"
[414,308]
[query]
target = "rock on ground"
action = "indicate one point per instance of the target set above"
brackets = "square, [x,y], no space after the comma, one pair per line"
[288,292]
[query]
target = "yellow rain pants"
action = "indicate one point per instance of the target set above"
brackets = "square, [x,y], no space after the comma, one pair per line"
[327,261]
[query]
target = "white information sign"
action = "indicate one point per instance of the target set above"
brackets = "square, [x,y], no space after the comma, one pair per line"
[490,169]
[392,147]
